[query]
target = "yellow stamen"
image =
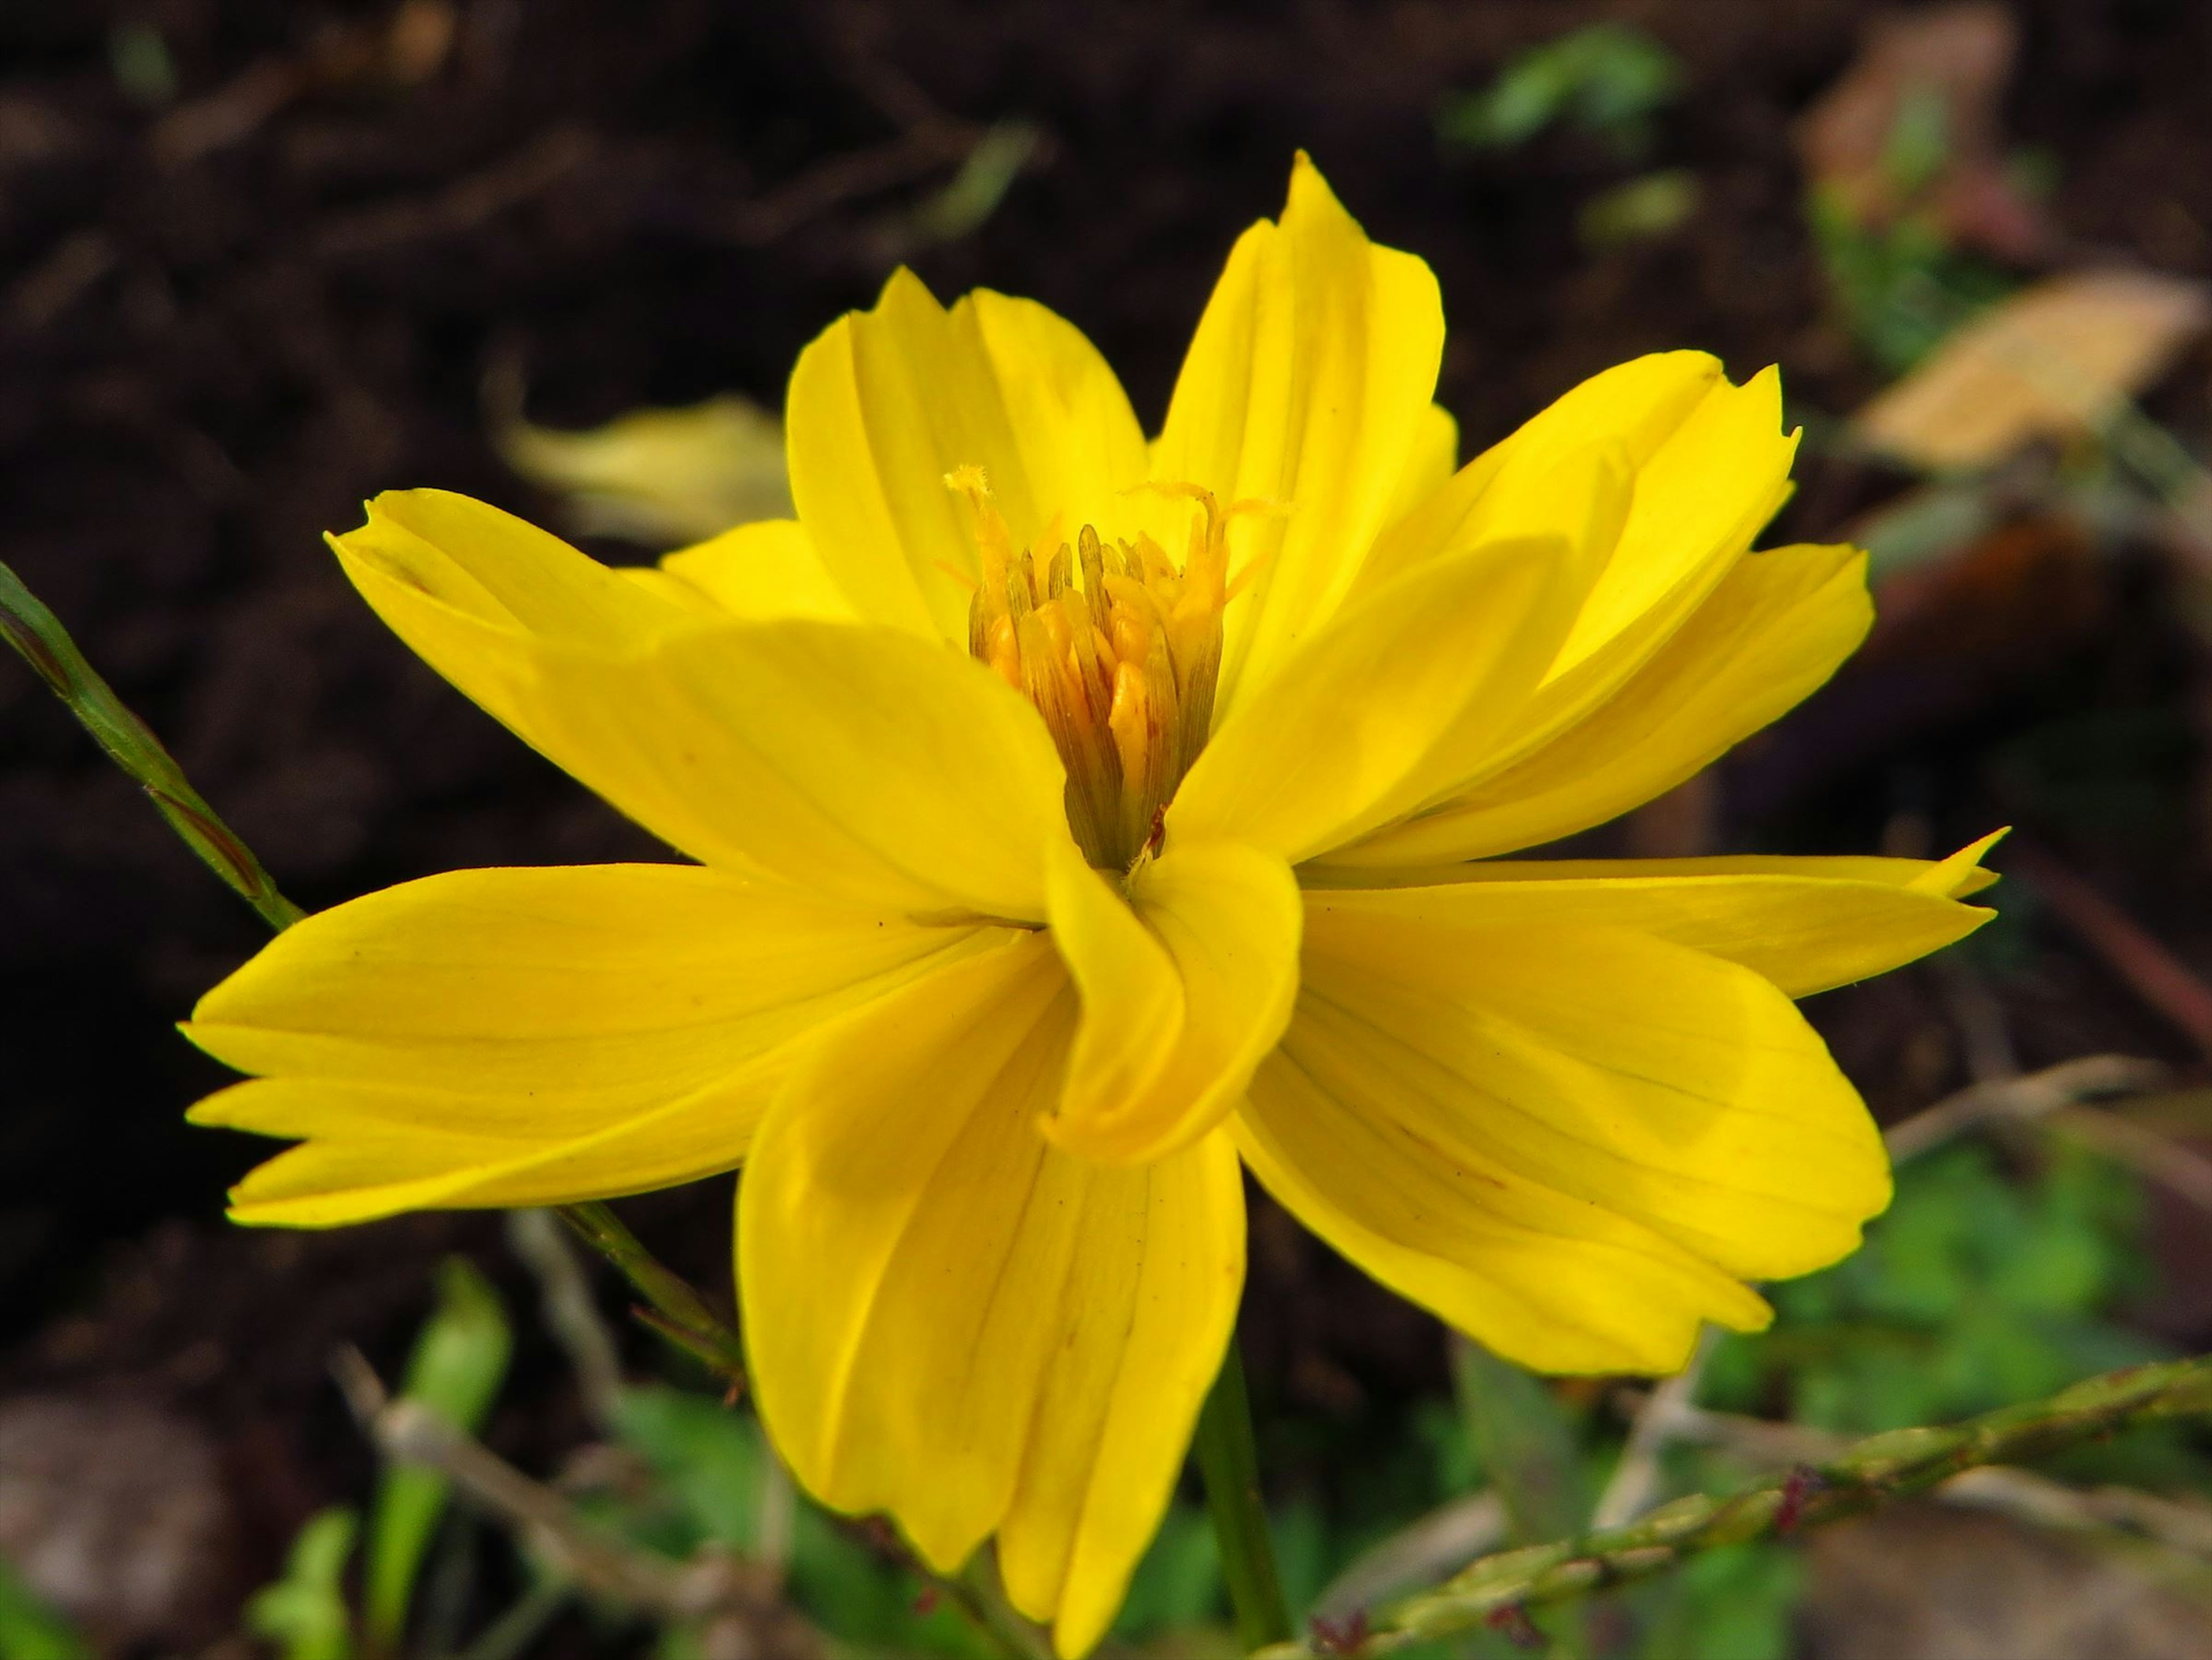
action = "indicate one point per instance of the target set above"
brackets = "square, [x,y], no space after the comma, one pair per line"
[1118,648]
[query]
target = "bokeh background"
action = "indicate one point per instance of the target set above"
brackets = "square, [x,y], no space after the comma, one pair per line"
[261,259]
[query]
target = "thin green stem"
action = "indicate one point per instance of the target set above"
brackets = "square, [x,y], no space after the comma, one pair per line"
[674,1307]
[1231,1465]
[1865,1475]
[37,634]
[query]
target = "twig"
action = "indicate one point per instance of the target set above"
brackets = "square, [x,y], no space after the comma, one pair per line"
[840,179]
[570,1312]
[708,1588]
[2180,1171]
[1635,1480]
[1997,1488]
[2155,972]
[37,635]
[1867,1474]
[2032,1095]
[1443,1540]
[675,1310]
[465,203]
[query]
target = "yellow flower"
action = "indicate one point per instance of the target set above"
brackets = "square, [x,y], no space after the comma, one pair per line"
[990,972]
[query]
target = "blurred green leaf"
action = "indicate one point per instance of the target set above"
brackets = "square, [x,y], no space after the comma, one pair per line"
[459,1361]
[304,1614]
[1178,1581]
[1527,1443]
[1648,207]
[29,1630]
[1733,1604]
[992,164]
[1607,79]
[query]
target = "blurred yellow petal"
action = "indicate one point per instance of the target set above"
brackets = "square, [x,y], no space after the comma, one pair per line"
[887,402]
[1805,924]
[1346,737]
[511,1037]
[1184,985]
[950,1321]
[661,477]
[1777,628]
[1307,386]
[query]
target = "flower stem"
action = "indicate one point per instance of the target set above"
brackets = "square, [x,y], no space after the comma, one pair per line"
[1231,1468]
[1499,1590]
[676,1309]
[37,634]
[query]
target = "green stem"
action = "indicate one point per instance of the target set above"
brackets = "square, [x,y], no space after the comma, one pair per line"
[674,1309]
[37,635]
[1230,1466]
[1868,1474]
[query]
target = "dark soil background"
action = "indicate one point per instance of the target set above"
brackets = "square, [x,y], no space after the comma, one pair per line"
[230,310]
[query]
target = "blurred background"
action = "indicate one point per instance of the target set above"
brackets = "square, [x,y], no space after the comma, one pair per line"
[261,259]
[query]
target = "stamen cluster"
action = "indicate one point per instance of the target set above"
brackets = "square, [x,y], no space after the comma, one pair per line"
[1117,646]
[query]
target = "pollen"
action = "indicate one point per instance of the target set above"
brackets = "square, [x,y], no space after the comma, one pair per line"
[1119,648]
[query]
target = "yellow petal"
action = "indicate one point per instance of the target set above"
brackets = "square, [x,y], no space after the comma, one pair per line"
[887,402]
[1347,737]
[1702,464]
[1546,1282]
[511,1037]
[1630,1077]
[1184,987]
[949,1320]
[756,572]
[1775,629]
[1430,463]
[1307,385]
[858,761]
[1805,924]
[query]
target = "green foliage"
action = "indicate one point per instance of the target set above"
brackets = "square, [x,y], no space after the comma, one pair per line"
[304,1614]
[712,1476]
[1733,1604]
[1527,1442]
[1898,289]
[459,1361]
[1609,79]
[1973,1292]
[29,1630]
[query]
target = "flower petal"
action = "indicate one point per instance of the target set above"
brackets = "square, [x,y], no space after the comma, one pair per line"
[1778,625]
[1307,385]
[756,572]
[1346,739]
[858,762]
[1619,1078]
[1805,924]
[1184,986]
[511,1037]
[950,1320]
[886,402]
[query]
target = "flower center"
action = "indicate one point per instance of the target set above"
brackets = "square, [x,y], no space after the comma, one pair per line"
[1117,646]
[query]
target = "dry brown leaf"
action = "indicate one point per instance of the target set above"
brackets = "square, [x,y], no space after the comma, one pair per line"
[1956,60]
[2052,361]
